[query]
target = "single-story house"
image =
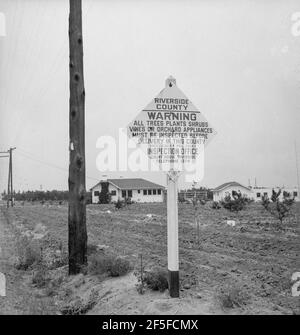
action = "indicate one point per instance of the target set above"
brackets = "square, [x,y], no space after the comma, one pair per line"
[255,193]
[137,189]
[259,192]
[220,192]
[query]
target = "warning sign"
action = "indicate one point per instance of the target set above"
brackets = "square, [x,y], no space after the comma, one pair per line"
[170,128]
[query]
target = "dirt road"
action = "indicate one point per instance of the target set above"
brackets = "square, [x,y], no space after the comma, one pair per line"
[20,296]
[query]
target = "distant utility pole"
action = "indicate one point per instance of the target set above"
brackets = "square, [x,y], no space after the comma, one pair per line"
[297,169]
[10,189]
[77,188]
[298,184]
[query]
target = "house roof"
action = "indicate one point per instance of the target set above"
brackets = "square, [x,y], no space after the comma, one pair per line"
[229,184]
[132,184]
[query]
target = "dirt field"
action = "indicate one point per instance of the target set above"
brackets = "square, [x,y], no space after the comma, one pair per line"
[252,257]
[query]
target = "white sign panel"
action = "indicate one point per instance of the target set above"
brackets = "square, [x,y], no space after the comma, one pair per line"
[170,128]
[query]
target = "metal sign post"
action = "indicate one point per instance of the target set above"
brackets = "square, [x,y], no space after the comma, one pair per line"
[172,215]
[172,131]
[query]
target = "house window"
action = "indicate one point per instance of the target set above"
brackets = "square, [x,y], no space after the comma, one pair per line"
[154,192]
[139,191]
[159,191]
[123,194]
[96,193]
[295,194]
[258,195]
[129,193]
[149,192]
[113,192]
[265,194]
[145,192]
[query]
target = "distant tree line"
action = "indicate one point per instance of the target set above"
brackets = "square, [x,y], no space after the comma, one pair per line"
[53,195]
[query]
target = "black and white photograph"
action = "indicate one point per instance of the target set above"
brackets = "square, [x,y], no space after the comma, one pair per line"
[149,160]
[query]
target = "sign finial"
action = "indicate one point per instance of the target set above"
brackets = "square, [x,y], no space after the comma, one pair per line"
[171,81]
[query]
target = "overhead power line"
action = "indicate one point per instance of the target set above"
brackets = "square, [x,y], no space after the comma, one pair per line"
[38,160]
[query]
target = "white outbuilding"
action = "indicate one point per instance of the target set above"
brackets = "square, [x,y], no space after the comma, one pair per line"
[255,193]
[137,189]
[259,192]
[220,192]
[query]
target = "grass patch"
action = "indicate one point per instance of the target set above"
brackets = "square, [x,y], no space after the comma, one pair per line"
[53,286]
[231,296]
[40,277]
[101,264]
[79,306]
[91,249]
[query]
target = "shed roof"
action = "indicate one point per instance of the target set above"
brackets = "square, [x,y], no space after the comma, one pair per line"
[132,184]
[229,184]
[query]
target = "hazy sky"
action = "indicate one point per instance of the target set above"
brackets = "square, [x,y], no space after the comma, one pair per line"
[237,61]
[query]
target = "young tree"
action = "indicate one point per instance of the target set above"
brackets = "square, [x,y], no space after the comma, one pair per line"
[197,201]
[278,208]
[236,203]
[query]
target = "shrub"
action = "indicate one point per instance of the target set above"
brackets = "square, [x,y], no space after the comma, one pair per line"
[181,198]
[40,277]
[279,209]
[236,203]
[54,253]
[232,296]
[215,205]
[157,280]
[61,260]
[119,204]
[128,201]
[119,267]
[29,253]
[91,249]
[53,286]
[101,264]
[265,201]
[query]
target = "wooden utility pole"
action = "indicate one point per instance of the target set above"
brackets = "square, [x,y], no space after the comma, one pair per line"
[9,183]
[11,177]
[10,192]
[4,152]
[298,183]
[77,191]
